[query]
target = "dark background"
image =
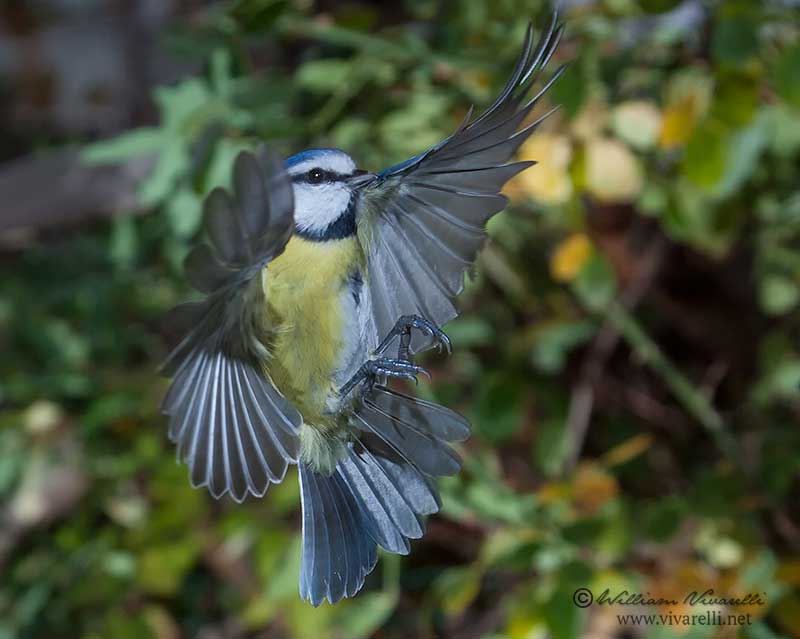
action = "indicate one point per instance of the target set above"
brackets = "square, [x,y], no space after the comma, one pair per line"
[628,351]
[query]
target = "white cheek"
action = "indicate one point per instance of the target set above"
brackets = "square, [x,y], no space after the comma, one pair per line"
[316,206]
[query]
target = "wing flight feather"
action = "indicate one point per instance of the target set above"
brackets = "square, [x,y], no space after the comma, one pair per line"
[425,219]
[232,427]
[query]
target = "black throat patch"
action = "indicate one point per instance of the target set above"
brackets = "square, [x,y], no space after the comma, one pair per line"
[342,227]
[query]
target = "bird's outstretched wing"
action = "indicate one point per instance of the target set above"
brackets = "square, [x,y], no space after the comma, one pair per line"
[233,428]
[424,220]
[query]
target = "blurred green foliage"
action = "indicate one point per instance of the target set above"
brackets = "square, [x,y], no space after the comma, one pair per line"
[650,262]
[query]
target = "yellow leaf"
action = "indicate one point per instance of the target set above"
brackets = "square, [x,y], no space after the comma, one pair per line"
[569,257]
[591,120]
[613,173]
[637,122]
[678,123]
[789,572]
[627,450]
[592,487]
[553,493]
[526,625]
[548,181]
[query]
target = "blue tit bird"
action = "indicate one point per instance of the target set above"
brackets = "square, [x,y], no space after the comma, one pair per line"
[314,270]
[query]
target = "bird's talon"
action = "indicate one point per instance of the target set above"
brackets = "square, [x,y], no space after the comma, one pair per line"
[381,369]
[402,329]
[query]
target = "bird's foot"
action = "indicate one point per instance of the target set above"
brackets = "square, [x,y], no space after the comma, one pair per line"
[380,369]
[403,328]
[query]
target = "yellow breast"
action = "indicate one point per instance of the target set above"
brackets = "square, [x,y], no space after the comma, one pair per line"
[303,290]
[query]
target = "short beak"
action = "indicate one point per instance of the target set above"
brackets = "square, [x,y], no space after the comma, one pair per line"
[361,178]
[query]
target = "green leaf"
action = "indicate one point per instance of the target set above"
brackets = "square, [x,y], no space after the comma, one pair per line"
[413,127]
[778,294]
[361,617]
[125,146]
[734,40]
[744,155]
[661,519]
[124,244]
[736,100]
[498,407]
[172,164]
[552,445]
[707,154]
[163,567]
[180,102]
[658,6]
[564,618]
[570,90]
[783,129]
[786,75]
[469,332]
[457,587]
[184,211]
[257,15]
[595,285]
[323,76]
[554,343]
[221,71]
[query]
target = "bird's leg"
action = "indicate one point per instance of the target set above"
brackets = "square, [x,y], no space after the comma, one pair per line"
[381,368]
[403,329]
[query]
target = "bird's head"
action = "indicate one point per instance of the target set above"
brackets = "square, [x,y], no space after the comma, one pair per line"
[325,185]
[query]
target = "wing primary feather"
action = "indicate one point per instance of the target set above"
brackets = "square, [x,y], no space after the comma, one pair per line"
[276,445]
[198,451]
[177,392]
[556,75]
[181,418]
[450,218]
[414,282]
[443,287]
[250,378]
[260,488]
[185,435]
[446,249]
[208,446]
[543,46]
[232,427]
[547,52]
[512,81]
[238,468]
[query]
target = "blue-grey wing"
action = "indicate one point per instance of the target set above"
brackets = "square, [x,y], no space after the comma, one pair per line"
[232,427]
[424,220]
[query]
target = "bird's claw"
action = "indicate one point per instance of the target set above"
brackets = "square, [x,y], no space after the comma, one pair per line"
[403,329]
[431,330]
[383,368]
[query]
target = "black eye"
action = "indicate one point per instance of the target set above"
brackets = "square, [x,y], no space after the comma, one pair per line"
[315,176]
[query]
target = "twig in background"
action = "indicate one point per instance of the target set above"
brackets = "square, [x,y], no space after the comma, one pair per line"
[583,393]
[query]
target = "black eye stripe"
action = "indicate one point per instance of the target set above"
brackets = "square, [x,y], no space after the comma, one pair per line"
[317,175]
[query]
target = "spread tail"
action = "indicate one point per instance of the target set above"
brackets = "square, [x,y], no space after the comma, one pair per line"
[379,493]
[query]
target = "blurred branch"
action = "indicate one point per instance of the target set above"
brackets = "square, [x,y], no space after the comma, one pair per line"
[583,394]
[58,188]
[692,399]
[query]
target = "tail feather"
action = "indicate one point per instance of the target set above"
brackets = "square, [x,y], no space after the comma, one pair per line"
[378,495]
[337,552]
